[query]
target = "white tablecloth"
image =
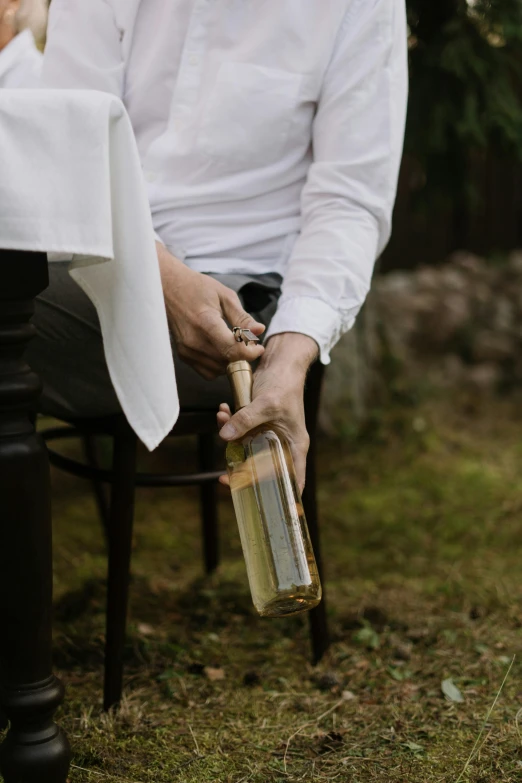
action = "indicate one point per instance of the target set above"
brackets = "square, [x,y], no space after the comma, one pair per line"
[71,185]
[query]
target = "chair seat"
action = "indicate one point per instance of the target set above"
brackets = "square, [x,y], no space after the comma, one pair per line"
[190,422]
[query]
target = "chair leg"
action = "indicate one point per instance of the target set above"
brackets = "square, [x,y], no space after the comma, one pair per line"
[120,547]
[208,498]
[318,620]
[89,448]
[320,637]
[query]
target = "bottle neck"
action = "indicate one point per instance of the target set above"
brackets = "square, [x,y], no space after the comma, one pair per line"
[241,380]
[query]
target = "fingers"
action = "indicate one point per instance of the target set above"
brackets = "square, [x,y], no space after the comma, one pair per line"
[223,416]
[261,411]
[224,342]
[299,452]
[246,419]
[257,413]
[236,315]
[222,419]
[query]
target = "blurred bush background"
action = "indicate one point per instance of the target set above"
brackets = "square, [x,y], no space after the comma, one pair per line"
[461,180]
[445,307]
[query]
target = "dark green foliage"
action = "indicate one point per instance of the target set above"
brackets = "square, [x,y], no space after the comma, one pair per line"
[465,88]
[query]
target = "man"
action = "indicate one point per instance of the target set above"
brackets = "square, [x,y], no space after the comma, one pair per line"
[270,133]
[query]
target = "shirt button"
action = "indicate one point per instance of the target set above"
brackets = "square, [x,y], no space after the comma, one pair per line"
[151,176]
[193,59]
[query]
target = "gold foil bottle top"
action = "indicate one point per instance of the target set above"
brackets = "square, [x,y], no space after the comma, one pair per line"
[241,379]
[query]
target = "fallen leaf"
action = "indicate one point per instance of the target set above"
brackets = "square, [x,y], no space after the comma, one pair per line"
[348,695]
[145,629]
[214,674]
[399,674]
[413,747]
[368,637]
[450,690]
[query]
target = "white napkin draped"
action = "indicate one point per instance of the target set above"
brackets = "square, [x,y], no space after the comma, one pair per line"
[71,185]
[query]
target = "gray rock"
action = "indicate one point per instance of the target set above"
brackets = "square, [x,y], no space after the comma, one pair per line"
[454,279]
[427,278]
[490,346]
[504,316]
[470,263]
[452,325]
[515,261]
[484,376]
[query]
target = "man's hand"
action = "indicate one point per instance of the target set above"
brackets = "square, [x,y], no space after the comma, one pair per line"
[197,308]
[278,397]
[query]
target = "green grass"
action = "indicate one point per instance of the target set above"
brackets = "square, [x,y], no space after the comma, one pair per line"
[422,531]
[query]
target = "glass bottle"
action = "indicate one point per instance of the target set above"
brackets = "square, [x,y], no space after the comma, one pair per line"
[280,562]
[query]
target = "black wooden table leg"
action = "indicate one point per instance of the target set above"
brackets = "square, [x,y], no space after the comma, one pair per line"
[35,750]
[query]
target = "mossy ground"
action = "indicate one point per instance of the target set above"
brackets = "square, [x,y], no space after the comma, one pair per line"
[422,532]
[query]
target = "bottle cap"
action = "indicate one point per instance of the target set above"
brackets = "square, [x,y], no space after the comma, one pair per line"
[241,378]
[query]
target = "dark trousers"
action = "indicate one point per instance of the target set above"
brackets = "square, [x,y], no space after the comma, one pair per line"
[68,353]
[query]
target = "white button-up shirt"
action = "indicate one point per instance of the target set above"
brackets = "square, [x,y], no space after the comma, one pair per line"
[270,133]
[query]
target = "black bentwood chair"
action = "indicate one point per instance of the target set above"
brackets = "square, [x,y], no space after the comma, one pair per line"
[117,516]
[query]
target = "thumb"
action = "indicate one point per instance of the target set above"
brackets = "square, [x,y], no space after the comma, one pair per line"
[236,315]
[243,421]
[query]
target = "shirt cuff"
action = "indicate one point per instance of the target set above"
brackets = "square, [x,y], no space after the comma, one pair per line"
[310,316]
